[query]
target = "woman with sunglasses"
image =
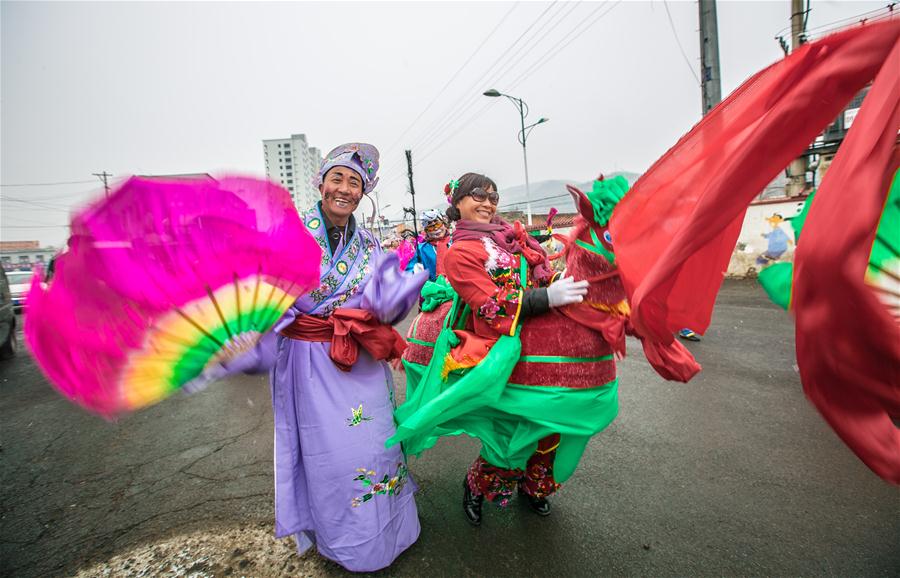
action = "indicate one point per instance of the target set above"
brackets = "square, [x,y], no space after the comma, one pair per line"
[485,267]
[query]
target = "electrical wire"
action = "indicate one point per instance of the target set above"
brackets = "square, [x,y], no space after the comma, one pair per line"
[678,41]
[504,67]
[819,33]
[546,57]
[452,78]
[34,226]
[565,41]
[467,96]
[847,20]
[44,206]
[48,184]
[584,24]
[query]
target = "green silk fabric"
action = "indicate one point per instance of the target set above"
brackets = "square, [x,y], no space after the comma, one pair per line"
[778,279]
[508,418]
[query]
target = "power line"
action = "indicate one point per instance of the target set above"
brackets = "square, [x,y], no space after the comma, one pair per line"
[819,32]
[103,176]
[505,65]
[571,36]
[546,57]
[452,78]
[45,206]
[24,220]
[566,40]
[48,184]
[846,21]
[450,121]
[34,226]
[678,41]
[467,95]
[71,194]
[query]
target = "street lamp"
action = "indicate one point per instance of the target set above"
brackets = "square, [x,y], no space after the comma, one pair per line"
[523,137]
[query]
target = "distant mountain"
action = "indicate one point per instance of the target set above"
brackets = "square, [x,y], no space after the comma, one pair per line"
[547,194]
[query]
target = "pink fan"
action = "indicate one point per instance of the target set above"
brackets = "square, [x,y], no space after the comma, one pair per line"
[406,252]
[163,279]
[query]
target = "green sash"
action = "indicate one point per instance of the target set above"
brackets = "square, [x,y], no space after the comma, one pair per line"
[508,418]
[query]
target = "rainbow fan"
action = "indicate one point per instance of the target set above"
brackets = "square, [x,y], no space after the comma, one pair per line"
[163,280]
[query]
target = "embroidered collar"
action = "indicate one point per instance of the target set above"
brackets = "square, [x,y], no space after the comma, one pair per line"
[334,233]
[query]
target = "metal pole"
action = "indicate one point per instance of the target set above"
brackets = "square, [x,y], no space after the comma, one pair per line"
[525,159]
[103,176]
[378,216]
[710,77]
[797,179]
[412,192]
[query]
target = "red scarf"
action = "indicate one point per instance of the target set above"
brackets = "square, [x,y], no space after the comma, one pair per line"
[510,238]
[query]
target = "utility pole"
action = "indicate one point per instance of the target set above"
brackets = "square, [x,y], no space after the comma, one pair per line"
[378,216]
[711,79]
[103,176]
[798,167]
[412,192]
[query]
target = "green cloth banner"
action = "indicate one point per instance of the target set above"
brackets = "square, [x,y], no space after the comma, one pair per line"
[508,418]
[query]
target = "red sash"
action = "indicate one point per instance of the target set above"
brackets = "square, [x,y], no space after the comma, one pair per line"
[347,330]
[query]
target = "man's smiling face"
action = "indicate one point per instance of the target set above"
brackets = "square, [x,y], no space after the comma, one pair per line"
[341,192]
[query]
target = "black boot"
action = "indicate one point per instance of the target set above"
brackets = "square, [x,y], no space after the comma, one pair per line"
[539,506]
[472,505]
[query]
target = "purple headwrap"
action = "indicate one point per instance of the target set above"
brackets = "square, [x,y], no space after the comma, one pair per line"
[361,157]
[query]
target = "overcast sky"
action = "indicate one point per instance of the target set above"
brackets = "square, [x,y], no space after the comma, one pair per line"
[161,88]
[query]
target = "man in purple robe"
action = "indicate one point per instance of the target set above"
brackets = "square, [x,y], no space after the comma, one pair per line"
[336,485]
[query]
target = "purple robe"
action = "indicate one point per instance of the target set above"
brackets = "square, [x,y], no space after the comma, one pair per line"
[336,485]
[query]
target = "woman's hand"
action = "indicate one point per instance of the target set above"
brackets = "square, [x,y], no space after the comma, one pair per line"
[566,291]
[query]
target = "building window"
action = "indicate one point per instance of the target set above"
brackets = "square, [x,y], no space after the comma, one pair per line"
[290,174]
[290,181]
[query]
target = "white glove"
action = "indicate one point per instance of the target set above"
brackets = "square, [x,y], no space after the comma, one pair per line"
[418,268]
[566,291]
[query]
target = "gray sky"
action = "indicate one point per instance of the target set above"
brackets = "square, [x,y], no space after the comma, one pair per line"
[159,88]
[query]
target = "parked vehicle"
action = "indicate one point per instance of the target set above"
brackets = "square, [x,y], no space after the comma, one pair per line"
[19,284]
[8,345]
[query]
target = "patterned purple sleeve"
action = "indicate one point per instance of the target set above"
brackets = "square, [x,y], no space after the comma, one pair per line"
[389,293]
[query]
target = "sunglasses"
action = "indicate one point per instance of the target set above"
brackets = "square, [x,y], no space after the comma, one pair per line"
[480,195]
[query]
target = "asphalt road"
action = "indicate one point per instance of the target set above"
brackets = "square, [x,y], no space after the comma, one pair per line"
[732,474]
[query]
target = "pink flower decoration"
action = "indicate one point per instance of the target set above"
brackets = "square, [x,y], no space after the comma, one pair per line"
[489,310]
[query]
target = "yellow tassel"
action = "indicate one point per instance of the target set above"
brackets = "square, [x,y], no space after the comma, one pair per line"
[622,308]
[451,364]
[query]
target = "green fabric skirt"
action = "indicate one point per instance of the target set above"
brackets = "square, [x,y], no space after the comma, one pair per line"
[508,418]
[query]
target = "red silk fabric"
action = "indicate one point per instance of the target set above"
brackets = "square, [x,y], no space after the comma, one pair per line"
[675,230]
[347,330]
[848,343]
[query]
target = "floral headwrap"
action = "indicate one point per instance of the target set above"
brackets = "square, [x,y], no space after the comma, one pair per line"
[449,189]
[360,157]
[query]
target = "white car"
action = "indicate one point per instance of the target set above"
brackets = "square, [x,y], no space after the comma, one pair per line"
[19,284]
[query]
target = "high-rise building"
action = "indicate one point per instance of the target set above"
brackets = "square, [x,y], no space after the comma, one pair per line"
[293,164]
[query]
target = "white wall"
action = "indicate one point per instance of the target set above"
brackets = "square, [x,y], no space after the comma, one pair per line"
[752,245]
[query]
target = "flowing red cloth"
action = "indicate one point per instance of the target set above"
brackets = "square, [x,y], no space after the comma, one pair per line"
[848,343]
[347,330]
[674,232]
